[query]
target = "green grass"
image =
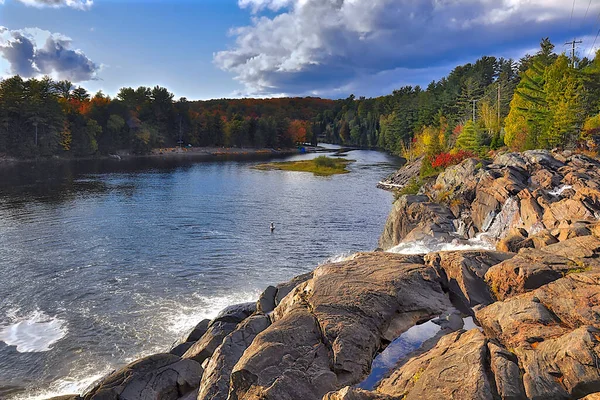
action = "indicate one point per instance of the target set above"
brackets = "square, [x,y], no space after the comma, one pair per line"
[322,166]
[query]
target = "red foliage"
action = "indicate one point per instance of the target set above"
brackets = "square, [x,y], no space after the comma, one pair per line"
[457,130]
[445,160]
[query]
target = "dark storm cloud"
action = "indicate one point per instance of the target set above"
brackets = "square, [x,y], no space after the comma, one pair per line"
[306,46]
[54,58]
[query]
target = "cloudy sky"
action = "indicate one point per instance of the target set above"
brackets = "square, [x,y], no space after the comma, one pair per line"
[204,49]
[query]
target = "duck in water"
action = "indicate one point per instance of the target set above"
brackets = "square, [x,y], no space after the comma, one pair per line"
[272,227]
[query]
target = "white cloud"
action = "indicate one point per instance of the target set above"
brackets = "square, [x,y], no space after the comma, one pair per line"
[33,51]
[77,4]
[313,45]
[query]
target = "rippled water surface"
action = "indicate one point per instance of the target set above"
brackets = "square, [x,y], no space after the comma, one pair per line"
[103,262]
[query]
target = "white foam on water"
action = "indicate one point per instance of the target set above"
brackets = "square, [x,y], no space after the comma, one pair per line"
[75,383]
[36,332]
[424,247]
[560,190]
[338,258]
[185,318]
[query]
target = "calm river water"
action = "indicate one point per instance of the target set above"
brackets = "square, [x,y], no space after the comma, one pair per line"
[103,262]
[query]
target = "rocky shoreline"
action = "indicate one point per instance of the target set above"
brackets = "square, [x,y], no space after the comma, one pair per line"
[535,301]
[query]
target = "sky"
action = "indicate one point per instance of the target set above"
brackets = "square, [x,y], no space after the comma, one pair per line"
[203,49]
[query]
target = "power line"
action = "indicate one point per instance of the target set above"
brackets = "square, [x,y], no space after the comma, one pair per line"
[572,12]
[597,34]
[588,10]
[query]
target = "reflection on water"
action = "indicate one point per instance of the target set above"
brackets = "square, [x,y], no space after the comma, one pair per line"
[128,255]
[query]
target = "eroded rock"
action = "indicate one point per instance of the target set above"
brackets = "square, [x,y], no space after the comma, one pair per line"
[454,369]
[158,377]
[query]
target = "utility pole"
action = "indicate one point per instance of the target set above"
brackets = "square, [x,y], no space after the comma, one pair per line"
[574,43]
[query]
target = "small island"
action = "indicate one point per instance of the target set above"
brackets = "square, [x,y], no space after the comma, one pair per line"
[322,166]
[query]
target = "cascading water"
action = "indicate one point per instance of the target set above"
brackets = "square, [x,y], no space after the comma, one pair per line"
[501,222]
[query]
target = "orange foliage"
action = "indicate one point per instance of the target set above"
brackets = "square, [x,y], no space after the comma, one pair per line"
[297,131]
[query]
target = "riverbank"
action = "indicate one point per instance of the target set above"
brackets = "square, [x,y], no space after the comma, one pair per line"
[171,153]
[486,286]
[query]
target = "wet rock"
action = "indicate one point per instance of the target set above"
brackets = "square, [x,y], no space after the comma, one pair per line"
[465,272]
[527,271]
[266,301]
[180,349]
[67,397]
[287,361]
[454,368]
[542,158]
[205,347]
[507,375]
[158,377]
[236,313]
[215,381]
[416,218]
[493,190]
[198,331]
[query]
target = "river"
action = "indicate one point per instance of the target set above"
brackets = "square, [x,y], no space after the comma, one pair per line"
[103,262]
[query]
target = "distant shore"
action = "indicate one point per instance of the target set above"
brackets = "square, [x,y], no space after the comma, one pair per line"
[172,153]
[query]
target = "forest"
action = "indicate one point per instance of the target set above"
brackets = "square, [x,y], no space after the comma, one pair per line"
[544,100]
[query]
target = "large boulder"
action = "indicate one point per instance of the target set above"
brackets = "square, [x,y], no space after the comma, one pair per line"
[288,361]
[158,377]
[215,381]
[347,312]
[218,329]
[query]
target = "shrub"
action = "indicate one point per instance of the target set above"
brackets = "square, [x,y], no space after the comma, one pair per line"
[445,160]
[327,162]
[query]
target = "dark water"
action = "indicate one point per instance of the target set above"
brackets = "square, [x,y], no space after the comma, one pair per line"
[104,262]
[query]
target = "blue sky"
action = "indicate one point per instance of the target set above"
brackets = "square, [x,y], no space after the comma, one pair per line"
[230,48]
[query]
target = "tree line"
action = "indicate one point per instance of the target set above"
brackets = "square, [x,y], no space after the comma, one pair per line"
[543,100]
[43,118]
